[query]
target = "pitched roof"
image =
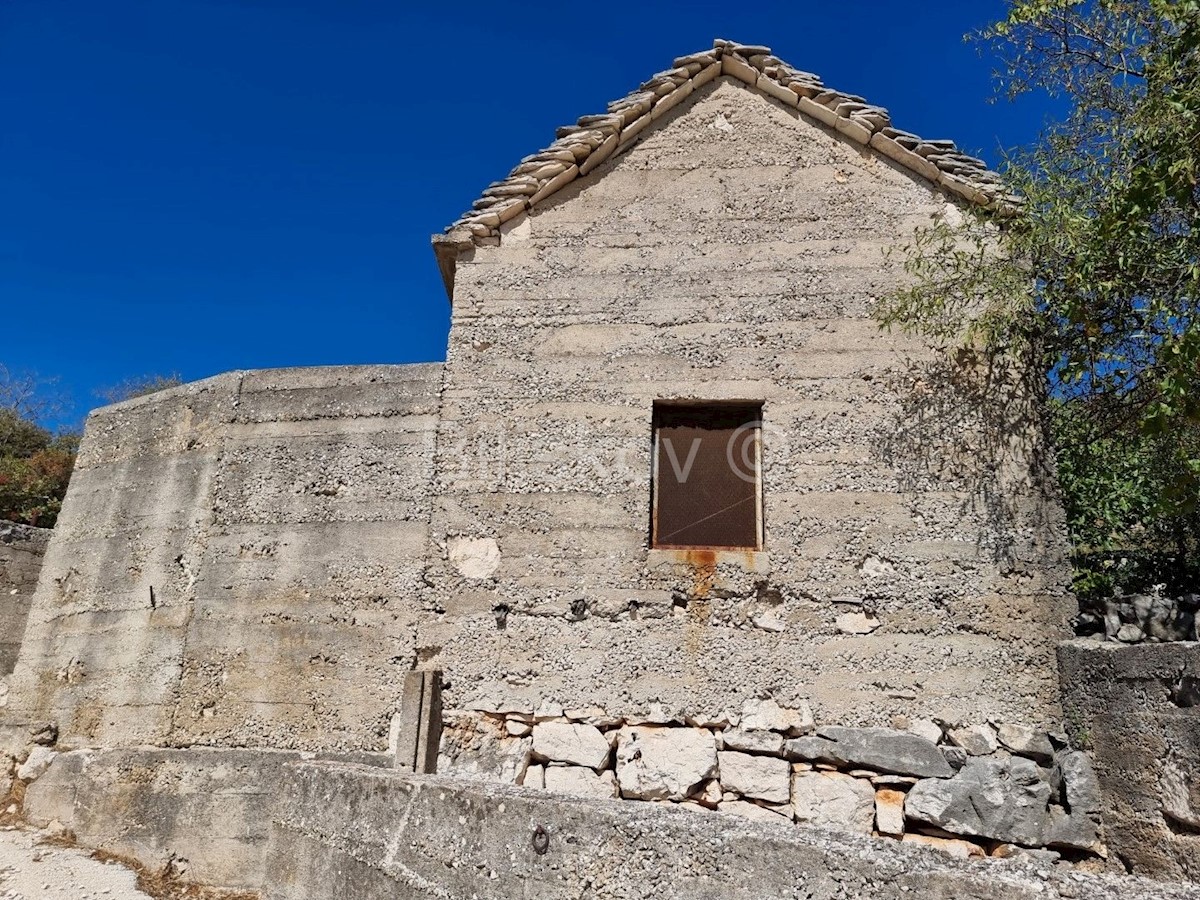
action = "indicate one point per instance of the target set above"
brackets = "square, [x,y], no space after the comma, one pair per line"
[581,147]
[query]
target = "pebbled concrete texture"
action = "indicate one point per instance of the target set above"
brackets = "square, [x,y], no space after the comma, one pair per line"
[21,552]
[734,254]
[352,831]
[238,563]
[1136,709]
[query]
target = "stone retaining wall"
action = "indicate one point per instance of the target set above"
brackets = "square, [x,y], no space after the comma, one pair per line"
[21,551]
[1136,709]
[975,791]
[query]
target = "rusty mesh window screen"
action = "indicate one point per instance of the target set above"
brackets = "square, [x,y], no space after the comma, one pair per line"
[706,476]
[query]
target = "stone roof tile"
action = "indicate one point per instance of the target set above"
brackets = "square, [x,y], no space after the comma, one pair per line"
[580,148]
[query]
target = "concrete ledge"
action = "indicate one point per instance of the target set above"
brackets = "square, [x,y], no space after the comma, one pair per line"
[205,812]
[351,831]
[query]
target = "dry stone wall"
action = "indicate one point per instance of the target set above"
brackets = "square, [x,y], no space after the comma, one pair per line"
[978,791]
[913,564]
[238,563]
[21,551]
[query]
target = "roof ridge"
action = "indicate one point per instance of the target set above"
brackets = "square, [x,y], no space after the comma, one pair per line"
[580,148]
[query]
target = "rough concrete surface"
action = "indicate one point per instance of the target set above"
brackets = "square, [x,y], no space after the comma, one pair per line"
[21,551]
[259,559]
[733,254]
[1136,709]
[238,563]
[33,870]
[202,813]
[352,831]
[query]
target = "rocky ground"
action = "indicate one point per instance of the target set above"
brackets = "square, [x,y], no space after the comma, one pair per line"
[32,868]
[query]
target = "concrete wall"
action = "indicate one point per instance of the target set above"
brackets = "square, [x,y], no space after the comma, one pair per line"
[1137,710]
[349,831]
[238,563]
[257,559]
[21,550]
[203,815]
[734,253]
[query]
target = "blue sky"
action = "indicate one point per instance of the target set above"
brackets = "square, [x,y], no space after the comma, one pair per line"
[193,186]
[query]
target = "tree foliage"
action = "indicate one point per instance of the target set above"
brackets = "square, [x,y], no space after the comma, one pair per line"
[35,465]
[1095,273]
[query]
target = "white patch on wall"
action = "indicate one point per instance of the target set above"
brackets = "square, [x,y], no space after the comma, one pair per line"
[721,123]
[518,229]
[473,557]
[952,215]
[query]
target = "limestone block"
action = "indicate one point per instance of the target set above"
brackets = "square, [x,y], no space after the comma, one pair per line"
[949,846]
[1078,826]
[579,782]
[535,776]
[38,761]
[927,729]
[977,740]
[883,749]
[739,68]
[889,812]
[764,742]
[592,715]
[482,749]
[709,795]
[571,742]
[1026,741]
[753,811]
[517,728]
[1002,798]
[767,715]
[664,763]
[833,800]
[759,777]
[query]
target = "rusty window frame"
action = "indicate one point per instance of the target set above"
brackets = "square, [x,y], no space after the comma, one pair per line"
[729,418]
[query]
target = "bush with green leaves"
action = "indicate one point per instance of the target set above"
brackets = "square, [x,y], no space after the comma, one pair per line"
[35,468]
[1095,275]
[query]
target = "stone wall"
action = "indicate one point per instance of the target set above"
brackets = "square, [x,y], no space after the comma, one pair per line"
[21,551]
[238,563]
[350,831]
[976,791]
[913,565]
[1136,709]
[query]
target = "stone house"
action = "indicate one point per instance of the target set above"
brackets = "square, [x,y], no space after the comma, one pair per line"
[673,488]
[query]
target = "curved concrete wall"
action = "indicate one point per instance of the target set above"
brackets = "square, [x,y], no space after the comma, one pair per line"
[21,550]
[238,563]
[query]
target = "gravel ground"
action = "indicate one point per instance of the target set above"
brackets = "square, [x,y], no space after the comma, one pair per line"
[29,870]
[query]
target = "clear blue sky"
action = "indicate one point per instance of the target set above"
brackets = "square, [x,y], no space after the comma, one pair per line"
[194,186]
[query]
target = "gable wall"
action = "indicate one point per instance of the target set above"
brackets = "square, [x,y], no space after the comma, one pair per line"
[733,254]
